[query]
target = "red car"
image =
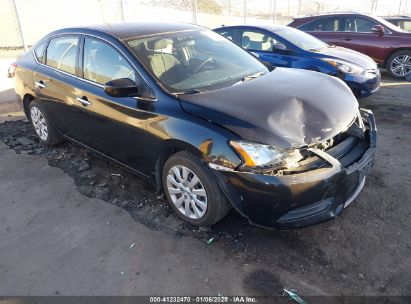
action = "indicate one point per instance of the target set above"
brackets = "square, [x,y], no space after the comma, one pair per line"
[387,44]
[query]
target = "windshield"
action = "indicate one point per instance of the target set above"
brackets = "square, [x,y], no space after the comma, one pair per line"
[300,39]
[191,61]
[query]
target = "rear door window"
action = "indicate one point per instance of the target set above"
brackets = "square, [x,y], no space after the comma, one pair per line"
[62,54]
[257,41]
[229,34]
[328,24]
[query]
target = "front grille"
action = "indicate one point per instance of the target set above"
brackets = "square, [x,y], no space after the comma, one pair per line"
[374,82]
[347,148]
[373,85]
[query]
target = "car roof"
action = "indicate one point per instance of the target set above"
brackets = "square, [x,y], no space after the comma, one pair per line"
[396,17]
[125,30]
[270,27]
[313,16]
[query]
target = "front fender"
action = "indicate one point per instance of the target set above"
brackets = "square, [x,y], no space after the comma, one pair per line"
[186,132]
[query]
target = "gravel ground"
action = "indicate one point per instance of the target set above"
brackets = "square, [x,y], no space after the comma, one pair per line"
[365,251]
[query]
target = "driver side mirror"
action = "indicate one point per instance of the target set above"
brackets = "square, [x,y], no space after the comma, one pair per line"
[378,29]
[122,87]
[280,48]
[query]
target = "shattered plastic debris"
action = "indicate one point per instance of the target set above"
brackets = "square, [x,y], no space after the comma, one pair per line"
[293,296]
[210,241]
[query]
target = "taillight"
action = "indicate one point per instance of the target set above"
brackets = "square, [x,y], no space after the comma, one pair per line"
[12,70]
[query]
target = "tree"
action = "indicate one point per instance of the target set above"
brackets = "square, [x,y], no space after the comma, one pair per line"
[209,6]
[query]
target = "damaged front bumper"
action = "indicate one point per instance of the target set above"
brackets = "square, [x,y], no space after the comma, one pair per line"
[331,181]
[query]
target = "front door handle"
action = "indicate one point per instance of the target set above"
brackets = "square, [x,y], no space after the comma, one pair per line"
[84,101]
[347,38]
[40,84]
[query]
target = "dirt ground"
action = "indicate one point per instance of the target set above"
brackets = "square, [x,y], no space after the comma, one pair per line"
[365,251]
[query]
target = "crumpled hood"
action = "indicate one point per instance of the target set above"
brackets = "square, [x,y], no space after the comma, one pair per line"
[285,108]
[355,57]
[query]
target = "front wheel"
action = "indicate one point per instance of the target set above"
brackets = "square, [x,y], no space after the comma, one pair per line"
[399,64]
[45,131]
[192,191]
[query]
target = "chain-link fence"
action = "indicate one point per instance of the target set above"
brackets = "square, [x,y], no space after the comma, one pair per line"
[38,17]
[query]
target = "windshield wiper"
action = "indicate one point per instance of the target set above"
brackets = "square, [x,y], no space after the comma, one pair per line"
[191,91]
[249,77]
[252,76]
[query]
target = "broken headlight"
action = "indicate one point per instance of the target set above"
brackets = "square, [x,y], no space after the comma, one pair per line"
[261,157]
[345,67]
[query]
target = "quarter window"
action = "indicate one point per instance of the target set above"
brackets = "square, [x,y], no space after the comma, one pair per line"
[103,63]
[61,54]
[39,51]
[257,41]
[322,25]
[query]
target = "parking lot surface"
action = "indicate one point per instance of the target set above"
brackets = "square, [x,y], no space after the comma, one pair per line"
[73,223]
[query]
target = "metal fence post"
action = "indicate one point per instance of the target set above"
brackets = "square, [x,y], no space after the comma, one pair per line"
[121,10]
[19,25]
[195,11]
[245,11]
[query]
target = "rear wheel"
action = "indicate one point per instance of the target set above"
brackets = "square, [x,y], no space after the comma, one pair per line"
[399,64]
[192,191]
[45,131]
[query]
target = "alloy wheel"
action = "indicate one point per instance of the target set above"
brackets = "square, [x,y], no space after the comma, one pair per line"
[39,123]
[187,192]
[401,65]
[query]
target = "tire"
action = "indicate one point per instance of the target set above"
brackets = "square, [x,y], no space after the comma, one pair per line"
[215,200]
[396,59]
[42,126]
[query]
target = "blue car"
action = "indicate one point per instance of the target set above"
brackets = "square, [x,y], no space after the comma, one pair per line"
[283,46]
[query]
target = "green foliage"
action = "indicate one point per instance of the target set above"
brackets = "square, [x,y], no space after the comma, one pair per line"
[209,6]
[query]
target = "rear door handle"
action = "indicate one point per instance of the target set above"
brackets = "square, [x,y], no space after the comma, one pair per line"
[40,84]
[347,38]
[84,101]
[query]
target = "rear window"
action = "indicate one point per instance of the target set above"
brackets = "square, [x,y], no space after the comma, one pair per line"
[61,54]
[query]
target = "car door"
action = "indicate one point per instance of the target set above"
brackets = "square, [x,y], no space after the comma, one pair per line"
[262,43]
[358,36]
[55,78]
[113,126]
[325,28]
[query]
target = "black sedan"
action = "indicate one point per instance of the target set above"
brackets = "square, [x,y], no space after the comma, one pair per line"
[202,119]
